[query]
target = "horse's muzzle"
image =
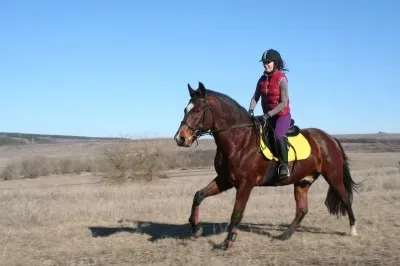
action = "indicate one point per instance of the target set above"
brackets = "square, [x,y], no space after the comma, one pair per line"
[180,140]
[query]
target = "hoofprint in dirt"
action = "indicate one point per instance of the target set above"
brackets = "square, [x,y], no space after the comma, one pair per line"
[146,223]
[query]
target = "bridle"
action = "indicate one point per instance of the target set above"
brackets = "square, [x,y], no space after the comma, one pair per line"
[200,131]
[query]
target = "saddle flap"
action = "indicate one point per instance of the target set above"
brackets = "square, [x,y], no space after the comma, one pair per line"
[299,149]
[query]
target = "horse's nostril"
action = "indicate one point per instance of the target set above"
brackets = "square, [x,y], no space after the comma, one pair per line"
[179,139]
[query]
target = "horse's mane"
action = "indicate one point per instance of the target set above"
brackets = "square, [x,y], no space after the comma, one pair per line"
[226,99]
[230,101]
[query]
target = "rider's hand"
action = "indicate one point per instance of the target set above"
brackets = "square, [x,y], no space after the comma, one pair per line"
[266,117]
[251,112]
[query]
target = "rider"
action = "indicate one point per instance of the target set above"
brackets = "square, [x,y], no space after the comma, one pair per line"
[273,89]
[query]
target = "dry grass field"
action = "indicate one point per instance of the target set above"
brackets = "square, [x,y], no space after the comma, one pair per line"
[111,203]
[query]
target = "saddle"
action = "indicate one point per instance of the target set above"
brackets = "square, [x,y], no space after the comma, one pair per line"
[269,133]
[294,130]
[297,145]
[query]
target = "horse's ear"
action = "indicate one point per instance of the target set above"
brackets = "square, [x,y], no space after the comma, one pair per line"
[201,90]
[192,92]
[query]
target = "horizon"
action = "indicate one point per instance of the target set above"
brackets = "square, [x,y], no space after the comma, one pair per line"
[102,69]
[26,134]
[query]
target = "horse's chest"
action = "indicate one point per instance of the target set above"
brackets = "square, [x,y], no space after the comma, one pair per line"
[230,167]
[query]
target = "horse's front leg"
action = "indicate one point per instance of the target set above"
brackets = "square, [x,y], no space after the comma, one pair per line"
[217,186]
[242,196]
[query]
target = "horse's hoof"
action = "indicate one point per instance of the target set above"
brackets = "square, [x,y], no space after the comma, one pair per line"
[354,233]
[285,236]
[224,246]
[197,233]
[353,230]
[228,245]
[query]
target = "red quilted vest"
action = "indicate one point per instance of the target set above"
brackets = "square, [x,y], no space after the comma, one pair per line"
[270,92]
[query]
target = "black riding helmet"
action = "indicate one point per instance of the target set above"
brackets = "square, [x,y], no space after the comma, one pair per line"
[271,55]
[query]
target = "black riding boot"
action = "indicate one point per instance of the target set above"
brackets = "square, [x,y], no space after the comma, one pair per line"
[283,169]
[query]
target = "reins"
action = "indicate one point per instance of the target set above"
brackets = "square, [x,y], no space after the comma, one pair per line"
[211,132]
[199,132]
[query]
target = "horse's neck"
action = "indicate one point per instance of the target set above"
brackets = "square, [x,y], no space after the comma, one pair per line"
[229,116]
[227,120]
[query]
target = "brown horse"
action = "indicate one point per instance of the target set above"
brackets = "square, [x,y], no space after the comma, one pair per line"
[240,163]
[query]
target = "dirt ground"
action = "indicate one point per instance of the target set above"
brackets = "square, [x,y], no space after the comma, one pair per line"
[82,220]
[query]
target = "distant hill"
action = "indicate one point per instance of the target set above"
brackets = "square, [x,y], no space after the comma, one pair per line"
[11,138]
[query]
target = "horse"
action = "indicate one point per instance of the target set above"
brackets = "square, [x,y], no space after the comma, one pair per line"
[245,159]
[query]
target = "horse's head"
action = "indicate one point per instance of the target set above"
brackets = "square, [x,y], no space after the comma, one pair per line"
[197,118]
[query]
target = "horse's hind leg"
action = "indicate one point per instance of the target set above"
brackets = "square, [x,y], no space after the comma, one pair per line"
[300,195]
[339,200]
[341,186]
[217,186]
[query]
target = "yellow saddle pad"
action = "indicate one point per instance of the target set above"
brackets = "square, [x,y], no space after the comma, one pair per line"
[299,142]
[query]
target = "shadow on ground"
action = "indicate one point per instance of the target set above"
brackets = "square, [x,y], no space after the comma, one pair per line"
[158,231]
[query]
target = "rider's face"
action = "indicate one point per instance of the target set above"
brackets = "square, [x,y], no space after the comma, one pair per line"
[268,66]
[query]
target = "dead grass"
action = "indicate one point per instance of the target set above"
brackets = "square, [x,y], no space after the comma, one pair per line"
[76,219]
[146,159]
[136,224]
[44,166]
[145,162]
[121,161]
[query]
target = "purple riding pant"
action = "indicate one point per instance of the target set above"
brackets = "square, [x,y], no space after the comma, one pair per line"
[282,124]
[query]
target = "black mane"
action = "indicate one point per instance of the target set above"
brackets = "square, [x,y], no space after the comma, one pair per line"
[226,98]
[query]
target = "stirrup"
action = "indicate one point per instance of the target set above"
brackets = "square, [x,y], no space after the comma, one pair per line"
[281,176]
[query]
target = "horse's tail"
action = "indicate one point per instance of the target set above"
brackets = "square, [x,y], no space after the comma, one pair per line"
[333,200]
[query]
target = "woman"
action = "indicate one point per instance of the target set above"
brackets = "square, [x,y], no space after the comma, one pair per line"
[272,87]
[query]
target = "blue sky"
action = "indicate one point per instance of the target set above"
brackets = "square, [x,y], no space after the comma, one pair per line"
[121,68]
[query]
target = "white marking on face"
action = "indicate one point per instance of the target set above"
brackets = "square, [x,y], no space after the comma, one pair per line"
[189,107]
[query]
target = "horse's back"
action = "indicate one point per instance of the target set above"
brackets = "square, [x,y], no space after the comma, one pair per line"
[315,132]
[320,140]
